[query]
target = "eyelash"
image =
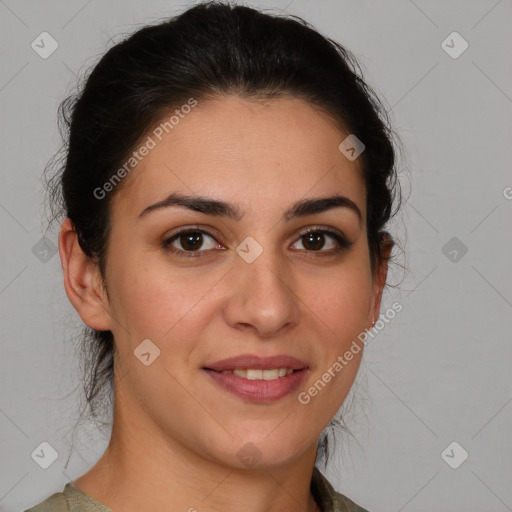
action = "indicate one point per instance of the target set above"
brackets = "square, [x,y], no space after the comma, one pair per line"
[343,243]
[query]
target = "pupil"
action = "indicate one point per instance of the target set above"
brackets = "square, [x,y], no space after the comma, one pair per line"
[193,241]
[315,239]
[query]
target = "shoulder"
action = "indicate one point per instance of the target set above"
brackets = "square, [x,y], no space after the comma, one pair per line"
[347,505]
[55,503]
[71,499]
[329,499]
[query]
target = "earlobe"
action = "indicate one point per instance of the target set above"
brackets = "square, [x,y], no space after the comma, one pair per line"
[82,280]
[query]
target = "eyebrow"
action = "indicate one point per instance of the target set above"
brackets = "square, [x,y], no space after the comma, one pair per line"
[218,208]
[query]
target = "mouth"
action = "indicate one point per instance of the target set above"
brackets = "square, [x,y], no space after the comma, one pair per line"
[257,379]
[258,374]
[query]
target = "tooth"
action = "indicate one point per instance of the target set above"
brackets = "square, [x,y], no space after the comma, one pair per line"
[257,374]
[254,374]
[270,374]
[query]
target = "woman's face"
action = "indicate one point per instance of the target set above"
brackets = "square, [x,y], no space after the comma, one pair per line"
[246,282]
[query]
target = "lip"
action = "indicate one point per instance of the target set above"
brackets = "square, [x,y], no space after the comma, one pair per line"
[258,391]
[250,361]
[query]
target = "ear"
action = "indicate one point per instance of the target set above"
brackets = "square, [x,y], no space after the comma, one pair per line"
[82,280]
[379,278]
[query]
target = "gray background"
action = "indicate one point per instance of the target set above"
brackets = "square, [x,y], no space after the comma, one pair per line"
[438,373]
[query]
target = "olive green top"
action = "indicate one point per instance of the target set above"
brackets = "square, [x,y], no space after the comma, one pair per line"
[72,499]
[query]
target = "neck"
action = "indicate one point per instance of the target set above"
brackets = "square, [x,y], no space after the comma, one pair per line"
[152,472]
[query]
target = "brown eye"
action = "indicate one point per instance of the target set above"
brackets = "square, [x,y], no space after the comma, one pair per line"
[313,241]
[190,242]
[323,241]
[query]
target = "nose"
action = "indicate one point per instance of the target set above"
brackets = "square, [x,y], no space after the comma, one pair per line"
[262,296]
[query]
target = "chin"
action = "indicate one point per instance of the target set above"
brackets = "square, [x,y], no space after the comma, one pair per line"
[261,452]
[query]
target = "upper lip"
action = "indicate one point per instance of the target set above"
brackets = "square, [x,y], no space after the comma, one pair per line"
[249,361]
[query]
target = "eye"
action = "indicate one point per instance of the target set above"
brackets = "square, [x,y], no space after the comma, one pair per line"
[190,242]
[194,242]
[318,239]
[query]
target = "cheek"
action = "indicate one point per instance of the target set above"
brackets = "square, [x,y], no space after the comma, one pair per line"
[342,299]
[153,299]
[340,311]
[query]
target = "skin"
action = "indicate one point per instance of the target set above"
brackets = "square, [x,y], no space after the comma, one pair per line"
[176,433]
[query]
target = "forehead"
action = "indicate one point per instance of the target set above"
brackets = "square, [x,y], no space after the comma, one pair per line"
[253,153]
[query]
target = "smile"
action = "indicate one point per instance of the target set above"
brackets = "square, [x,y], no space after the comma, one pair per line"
[257,374]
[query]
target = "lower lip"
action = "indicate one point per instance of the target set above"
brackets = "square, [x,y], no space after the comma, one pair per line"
[259,391]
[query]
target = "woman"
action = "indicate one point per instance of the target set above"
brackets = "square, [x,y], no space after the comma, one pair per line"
[226,187]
